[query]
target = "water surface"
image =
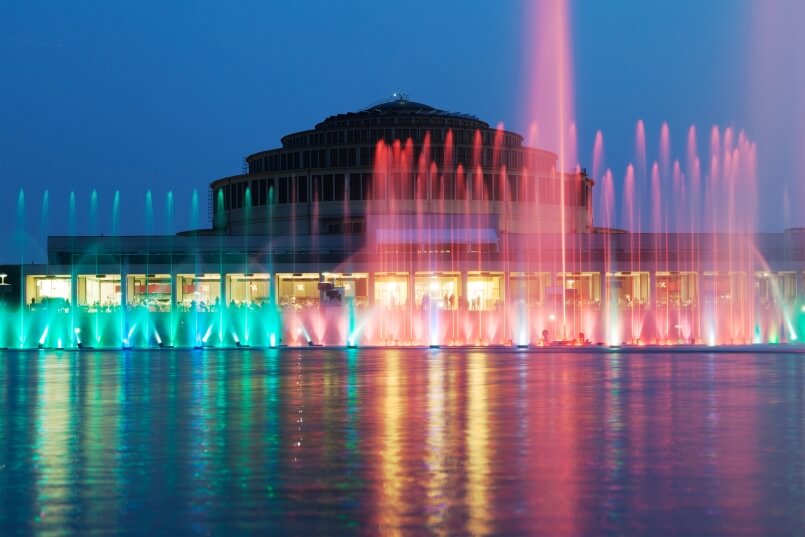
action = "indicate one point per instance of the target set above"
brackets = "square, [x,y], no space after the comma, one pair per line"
[394,442]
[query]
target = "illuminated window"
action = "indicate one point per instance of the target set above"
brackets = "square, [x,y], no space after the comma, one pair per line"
[676,289]
[628,289]
[484,290]
[775,287]
[150,291]
[391,289]
[437,290]
[579,287]
[354,287]
[248,289]
[724,287]
[298,291]
[200,292]
[48,291]
[99,291]
[529,287]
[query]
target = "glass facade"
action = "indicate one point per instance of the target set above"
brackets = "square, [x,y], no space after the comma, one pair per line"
[580,287]
[485,290]
[439,290]
[99,291]
[354,287]
[251,290]
[200,292]
[529,287]
[298,291]
[47,292]
[391,289]
[628,289]
[677,289]
[150,291]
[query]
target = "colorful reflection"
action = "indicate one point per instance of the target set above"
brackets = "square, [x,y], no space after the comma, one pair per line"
[389,442]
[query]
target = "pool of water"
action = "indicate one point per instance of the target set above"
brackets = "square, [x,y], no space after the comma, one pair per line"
[389,441]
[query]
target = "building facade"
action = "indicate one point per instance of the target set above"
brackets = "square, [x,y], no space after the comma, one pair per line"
[402,224]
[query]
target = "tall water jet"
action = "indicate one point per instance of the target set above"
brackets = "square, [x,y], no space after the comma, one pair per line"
[71,215]
[149,212]
[44,217]
[195,221]
[21,240]
[93,212]
[116,213]
[169,213]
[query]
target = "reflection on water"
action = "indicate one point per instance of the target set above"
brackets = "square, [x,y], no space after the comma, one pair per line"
[370,442]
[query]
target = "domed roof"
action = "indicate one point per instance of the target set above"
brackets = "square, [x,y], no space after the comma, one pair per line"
[399,102]
[400,105]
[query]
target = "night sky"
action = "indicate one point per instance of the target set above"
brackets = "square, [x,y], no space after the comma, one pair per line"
[168,96]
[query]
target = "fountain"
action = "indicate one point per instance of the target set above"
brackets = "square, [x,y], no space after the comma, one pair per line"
[401,224]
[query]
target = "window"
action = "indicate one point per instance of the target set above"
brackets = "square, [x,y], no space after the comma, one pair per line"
[676,289]
[366,186]
[301,189]
[379,185]
[48,292]
[449,182]
[355,189]
[298,291]
[354,287]
[585,287]
[485,291]
[248,289]
[271,193]
[437,290]
[340,187]
[100,292]
[628,289]
[200,292]
[529,288]
[316,188]
[283,190]
[391,289]
[149,291]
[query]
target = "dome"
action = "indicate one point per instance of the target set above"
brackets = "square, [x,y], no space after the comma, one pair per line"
[400,105]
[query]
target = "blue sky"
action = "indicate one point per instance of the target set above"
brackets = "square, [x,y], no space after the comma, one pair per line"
[133,96]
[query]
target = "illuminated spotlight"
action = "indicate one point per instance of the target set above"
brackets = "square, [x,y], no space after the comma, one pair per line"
[551,317]
[802,309]
[59,345]
[351,343]
[238,342]
[206,335]
[272,340]
[43,337]
[159,339]
[127,339]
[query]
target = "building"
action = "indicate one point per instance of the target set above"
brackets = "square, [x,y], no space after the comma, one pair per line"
[402,224]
